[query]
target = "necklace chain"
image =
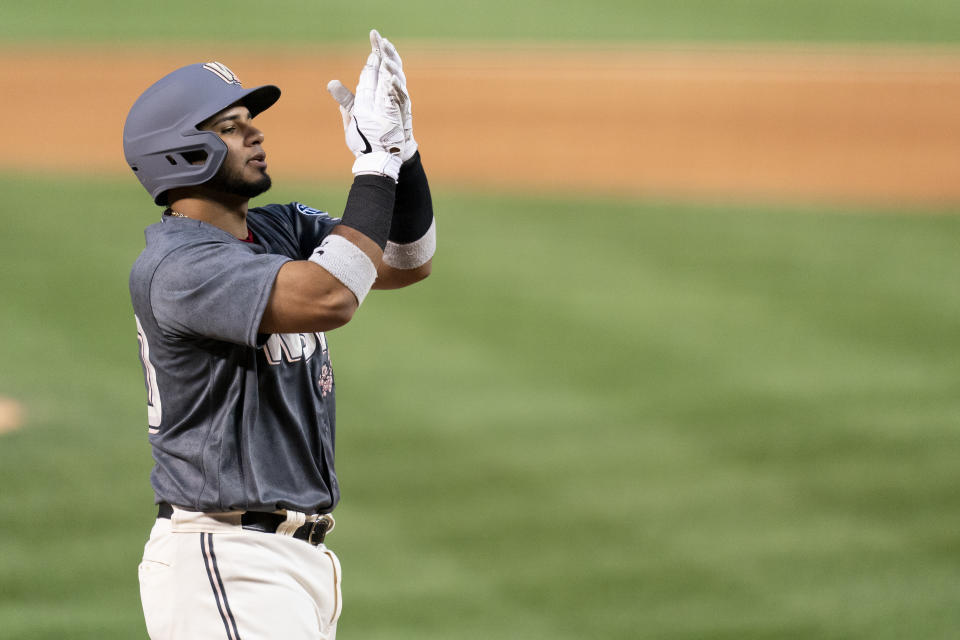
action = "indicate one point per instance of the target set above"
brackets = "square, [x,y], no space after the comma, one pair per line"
[176,213]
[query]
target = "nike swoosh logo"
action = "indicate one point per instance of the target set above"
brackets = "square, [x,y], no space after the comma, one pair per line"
[363,137]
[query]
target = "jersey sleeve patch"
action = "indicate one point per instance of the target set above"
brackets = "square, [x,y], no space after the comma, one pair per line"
[310,211]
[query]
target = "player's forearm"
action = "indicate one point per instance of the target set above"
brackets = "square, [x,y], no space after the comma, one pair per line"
[390,278]
[412,241]
[306,298]
[324,291]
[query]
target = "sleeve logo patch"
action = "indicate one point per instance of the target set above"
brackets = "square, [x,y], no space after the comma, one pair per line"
[310,211]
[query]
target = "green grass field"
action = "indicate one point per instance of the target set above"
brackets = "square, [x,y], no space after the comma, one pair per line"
[317,22]
[599,419]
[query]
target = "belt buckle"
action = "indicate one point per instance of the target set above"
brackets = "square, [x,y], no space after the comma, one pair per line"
[319,529]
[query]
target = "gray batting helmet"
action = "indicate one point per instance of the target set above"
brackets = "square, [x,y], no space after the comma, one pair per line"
[161,132]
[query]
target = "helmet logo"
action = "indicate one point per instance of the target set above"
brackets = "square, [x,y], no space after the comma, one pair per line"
[221,71]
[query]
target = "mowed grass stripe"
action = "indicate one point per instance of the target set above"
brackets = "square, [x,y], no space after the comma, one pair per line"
[600,418]
[288,22]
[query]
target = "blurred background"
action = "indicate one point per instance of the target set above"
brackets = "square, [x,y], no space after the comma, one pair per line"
[687,366]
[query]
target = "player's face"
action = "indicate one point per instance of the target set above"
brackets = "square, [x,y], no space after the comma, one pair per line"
[244,170]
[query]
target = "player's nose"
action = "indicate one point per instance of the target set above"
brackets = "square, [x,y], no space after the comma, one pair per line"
[254,135]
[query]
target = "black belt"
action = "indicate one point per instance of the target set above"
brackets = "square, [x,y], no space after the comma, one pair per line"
[312,532]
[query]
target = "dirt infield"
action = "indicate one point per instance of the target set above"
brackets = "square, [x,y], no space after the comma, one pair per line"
[11,415]
[813,125]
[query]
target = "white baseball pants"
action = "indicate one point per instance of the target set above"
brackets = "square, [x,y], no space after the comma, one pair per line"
[204,577]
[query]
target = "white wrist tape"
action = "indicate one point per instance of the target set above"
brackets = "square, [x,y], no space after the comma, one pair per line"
[412,254]
[378,162]
[347,263]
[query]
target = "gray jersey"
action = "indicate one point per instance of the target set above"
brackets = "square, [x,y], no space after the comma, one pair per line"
[237,419]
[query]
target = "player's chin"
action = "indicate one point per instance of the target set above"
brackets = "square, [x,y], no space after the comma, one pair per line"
[249,188]
[263,183]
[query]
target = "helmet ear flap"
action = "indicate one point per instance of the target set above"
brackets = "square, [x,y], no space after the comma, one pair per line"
[194,162]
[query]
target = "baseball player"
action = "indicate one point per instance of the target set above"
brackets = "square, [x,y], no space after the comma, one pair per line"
[231,307]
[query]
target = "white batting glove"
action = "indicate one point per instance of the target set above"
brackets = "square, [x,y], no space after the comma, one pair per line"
[395,66]
[373,125]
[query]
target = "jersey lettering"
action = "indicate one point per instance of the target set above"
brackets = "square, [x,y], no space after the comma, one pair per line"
[154,406]
[293,347]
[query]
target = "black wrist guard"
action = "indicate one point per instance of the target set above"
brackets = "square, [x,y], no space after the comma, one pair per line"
[369,207]
[413,207]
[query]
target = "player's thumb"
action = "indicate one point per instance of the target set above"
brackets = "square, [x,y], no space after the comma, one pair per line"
[341,94]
